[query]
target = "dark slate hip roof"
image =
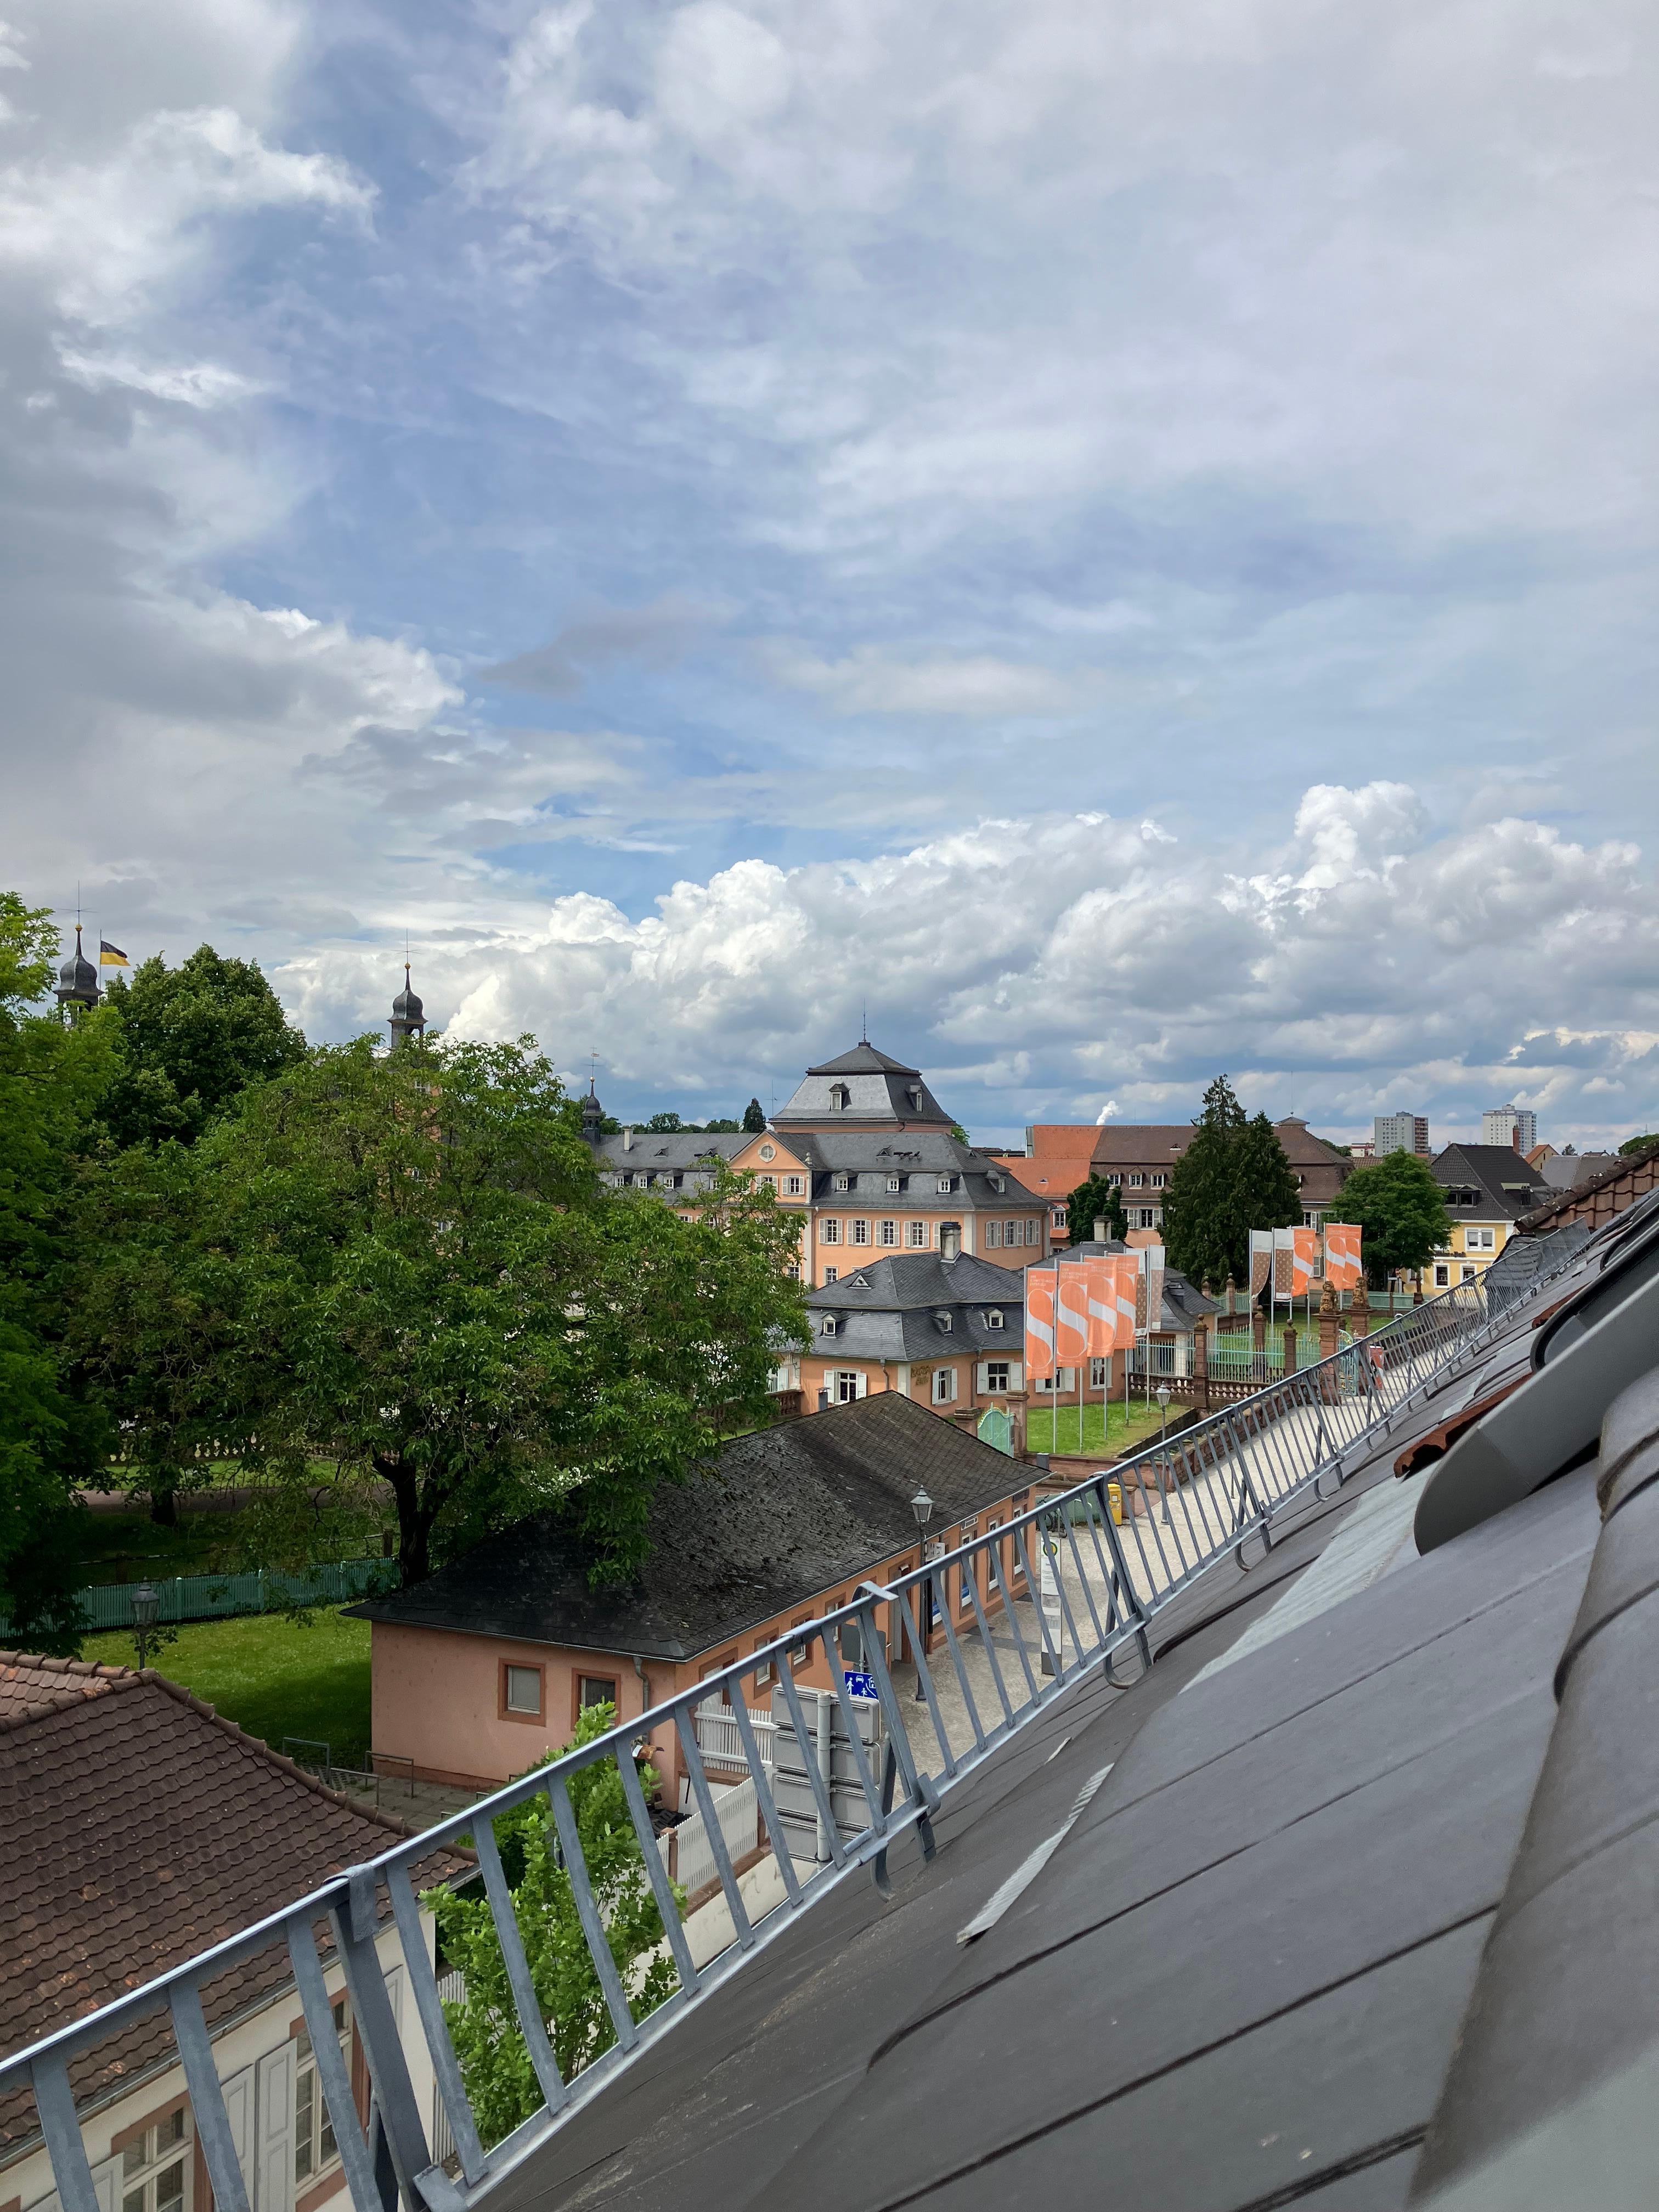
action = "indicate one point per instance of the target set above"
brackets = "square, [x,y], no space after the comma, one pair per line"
[781,1517]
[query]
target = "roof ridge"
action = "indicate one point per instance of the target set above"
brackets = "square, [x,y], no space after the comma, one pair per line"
[99,1679]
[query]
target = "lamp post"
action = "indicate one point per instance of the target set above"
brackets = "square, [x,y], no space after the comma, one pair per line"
[144,1619]
[1163,1455]
[922,1506]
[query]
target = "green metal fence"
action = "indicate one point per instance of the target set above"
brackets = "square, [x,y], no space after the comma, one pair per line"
[217,1597]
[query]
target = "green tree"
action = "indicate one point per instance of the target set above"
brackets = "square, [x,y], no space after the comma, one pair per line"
[1401,1214]
[408,1262]
[500,2082]
[666,1124]
[1266,1192]
[1098,1199]
[722,1128]
[52,1441]
[193,1038]
[1639,1144]
[754,1120]
[1201,1233]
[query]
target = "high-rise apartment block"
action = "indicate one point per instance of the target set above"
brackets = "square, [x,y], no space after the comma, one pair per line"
[1510,1125]
[1403,1132]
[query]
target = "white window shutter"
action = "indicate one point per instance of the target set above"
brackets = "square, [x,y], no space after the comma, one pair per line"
[274,2131]
[864,1383]
[984,1382]
[104,2183]
[238,2094]
[1016,1375]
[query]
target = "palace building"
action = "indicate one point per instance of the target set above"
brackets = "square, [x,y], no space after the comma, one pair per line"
[868,1156]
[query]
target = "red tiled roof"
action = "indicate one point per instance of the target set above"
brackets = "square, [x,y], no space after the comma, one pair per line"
[138,1828]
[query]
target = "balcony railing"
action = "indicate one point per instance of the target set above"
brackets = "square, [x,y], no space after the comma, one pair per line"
[1074,1581]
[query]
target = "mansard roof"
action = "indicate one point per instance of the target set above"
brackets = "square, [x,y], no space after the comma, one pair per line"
[879,1091]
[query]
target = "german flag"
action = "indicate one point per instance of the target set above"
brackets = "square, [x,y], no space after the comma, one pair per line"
[111,955]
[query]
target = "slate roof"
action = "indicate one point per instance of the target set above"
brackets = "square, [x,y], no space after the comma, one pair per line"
[1346,1915]
[918,1156]
[878,1093]
[890,1308]
[654,1152]
[138,1827]
[1487,1169]
[781,1518]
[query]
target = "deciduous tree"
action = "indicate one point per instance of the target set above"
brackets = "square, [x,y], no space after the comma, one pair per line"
[1402,1212]
[192,1038]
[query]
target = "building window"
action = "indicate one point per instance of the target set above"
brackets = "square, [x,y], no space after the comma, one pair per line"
[769,1183]
[768,1151]
[313,2131]
[843,1183]
[993,1236]
[830,1232]
[840,1098]
[915,1233]
[1441,1276]
[1467,1274]
[893,1184]
[1158,1181]
[1034,1229]
[888,1233]
[944,1385]
[944,1182]
[996,1375]
[1097,1373]
[1058,1217]
[1145,1217]
[595,1689]
[847,1386]
[969,1570]
[1135,1181]
[830,1325]
[829,1274]
[521,1690]
[993,1317]
[860,1233]
[153,2167]
[641,1182]
[792,1186]
[1478,1240]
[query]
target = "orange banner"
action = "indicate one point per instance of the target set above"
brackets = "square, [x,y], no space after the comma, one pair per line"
[1039,1325]
[1305,1260]
[1100,1288]
[1071,1316]
[1343,1264]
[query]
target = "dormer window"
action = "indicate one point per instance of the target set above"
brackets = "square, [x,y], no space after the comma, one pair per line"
[840,1098]
[993,1319]
[944,1182]
[945,1322]
[830,1325]
[914,1094]
[894,1183]
[843,1183]
[998,1185]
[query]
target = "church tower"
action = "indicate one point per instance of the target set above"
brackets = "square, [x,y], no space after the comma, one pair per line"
[77,981]
[593,1116]
[408,1015]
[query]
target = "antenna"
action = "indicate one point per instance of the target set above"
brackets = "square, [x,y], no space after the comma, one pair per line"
[864,1027]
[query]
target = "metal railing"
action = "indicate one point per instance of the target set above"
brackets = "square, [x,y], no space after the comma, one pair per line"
[218,1597]
[1072,1581]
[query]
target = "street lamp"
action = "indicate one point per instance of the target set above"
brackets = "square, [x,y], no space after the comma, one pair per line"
[1162,1456]
[144,1619]
[922,1506]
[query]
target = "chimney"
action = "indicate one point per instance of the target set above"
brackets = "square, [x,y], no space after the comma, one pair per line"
[950,1241]
[1515,1136]
[628,1140]
[1100,1228]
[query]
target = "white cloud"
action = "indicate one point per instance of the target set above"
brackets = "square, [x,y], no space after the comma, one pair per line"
[871,682]
[1026,962]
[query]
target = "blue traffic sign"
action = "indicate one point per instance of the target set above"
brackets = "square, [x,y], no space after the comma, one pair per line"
[859,1685]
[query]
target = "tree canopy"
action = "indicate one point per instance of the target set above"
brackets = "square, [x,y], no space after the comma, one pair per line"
[1097,1200]
[51,1440]
[1402,1212]
[192,1038]
[754,1117]
[1232,1177]
[408,1262]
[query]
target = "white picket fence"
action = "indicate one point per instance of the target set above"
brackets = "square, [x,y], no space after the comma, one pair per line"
[686,1851]
[721,1744]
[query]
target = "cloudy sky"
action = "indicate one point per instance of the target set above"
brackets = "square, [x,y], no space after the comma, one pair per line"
[1122,536]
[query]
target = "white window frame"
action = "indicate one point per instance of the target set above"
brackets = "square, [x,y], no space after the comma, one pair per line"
[316,2143]
[842,1182]
[1034,1230]
[831,1326]
[830,1275]
[1442,1275]
[894,1183]
[860,1233]
[847,1385]
[163,2147]
[1158,1181]
[794,1185]
[887,1233]
[993,1317]
[1148,1219]
[946,1184]
[945,1386]
[1097,1373]
[768,1151]
[989,1370]
[915,1236]
[1136,1181]
[828,1232]
[527,1713]
[994,1236]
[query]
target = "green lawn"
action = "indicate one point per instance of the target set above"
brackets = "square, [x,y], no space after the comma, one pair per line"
[1122,1436]
[272,1676]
